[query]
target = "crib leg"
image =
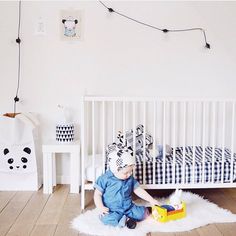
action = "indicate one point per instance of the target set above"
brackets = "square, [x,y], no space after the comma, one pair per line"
[82,211]
[82,198]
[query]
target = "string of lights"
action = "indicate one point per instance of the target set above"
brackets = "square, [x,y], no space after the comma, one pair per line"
[18,41]
[111,10]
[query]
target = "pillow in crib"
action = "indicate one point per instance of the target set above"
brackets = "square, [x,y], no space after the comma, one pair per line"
[139,138]
[159,150]
[127,141]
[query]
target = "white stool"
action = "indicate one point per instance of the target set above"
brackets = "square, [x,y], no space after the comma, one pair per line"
[49,165]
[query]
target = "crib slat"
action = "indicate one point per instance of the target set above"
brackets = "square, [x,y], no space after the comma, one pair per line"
[134,133]
[83,156]
[164,143]
[184,141]
[223,143]
[213,140]
[124,119]
[194,141]
[173,141]
[203,140]
[232,142]
[103,137]
[154,144]
[114,120]
[144,143]
[93,140]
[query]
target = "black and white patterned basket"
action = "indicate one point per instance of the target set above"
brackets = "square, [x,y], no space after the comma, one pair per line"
[65,133]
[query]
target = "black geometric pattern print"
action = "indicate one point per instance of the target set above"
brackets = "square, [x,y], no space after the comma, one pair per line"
[65,133]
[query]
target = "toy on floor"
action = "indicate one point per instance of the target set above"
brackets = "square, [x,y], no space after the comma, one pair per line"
[176,209]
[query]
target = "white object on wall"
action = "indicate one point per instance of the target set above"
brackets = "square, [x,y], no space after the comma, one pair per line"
[40,28]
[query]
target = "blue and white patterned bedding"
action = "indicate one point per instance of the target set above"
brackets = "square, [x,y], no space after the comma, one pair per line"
[198,175]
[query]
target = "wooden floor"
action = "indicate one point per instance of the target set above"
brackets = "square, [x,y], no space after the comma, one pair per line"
[36,214]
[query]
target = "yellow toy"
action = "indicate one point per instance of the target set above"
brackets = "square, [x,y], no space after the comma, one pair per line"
[162,215]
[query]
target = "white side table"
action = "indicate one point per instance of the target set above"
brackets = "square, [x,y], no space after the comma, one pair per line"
[49,164]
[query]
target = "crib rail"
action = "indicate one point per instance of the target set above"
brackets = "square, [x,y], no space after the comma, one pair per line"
[205,123]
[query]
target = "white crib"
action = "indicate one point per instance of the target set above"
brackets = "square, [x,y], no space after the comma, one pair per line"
[200,132]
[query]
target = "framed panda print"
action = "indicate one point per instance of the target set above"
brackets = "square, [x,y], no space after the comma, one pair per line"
[71,25]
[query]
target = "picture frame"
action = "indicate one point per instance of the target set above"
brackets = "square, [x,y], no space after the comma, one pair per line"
[71,25]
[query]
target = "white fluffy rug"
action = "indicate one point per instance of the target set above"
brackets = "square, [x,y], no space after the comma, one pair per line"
[200,212]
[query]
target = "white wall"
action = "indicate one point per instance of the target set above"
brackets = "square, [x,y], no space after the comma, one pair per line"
[116,56]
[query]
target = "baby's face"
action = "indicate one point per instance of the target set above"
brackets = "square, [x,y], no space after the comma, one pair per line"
[125,173]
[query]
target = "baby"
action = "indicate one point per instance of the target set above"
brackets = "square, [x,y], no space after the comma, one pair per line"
[113,193]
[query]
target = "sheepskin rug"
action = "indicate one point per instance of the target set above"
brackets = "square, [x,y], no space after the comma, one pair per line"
[200,212]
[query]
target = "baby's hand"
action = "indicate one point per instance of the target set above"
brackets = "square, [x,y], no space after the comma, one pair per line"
[103,210]
[154,202]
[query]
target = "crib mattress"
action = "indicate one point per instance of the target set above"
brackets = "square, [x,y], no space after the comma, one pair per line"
[198,167]
[169,167]
[89,170]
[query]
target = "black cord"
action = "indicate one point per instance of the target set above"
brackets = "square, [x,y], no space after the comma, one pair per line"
[18,41]
[207,45]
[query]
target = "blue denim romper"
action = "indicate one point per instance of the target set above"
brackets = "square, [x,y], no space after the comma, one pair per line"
[117,196]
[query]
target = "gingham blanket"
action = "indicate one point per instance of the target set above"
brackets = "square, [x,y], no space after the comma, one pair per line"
[168,169]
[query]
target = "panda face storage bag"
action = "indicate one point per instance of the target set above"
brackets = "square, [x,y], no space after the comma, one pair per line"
[18,145]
